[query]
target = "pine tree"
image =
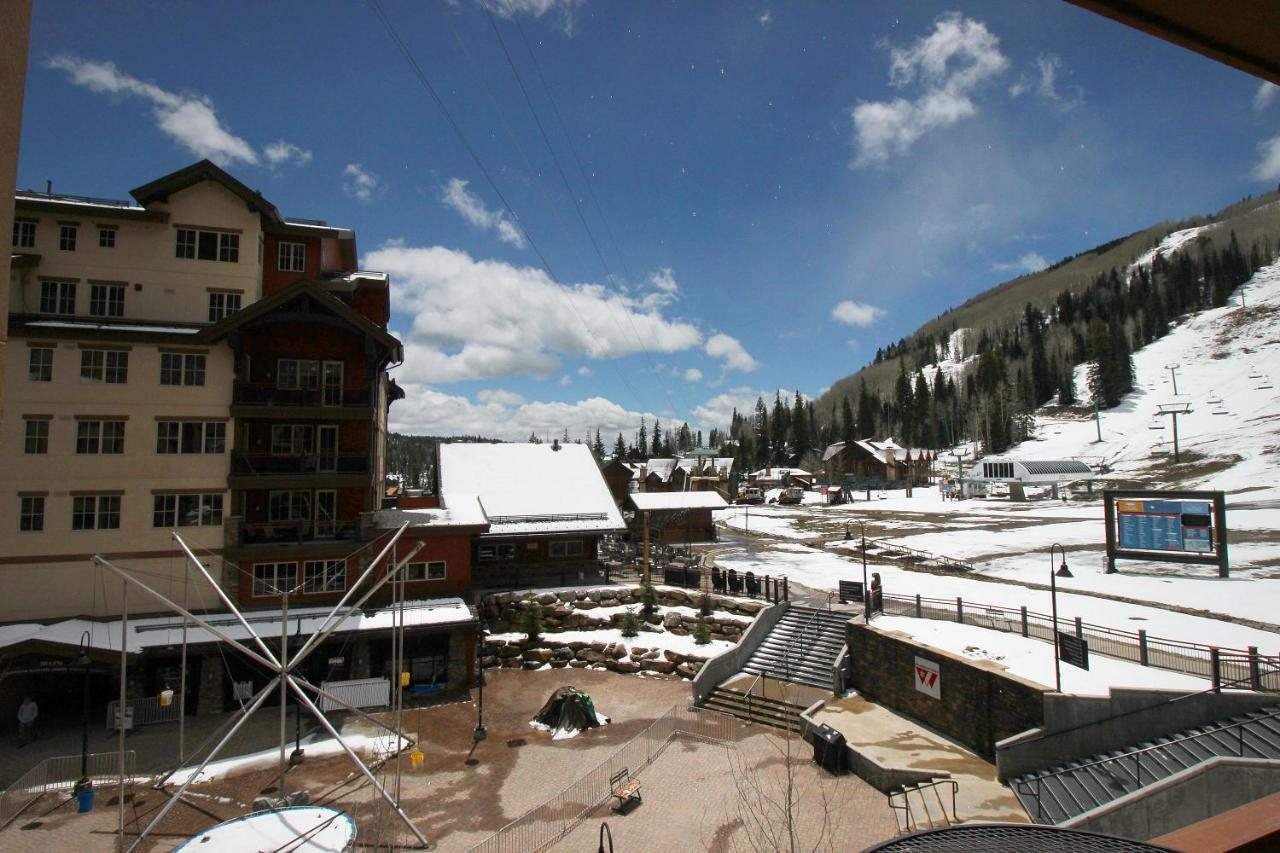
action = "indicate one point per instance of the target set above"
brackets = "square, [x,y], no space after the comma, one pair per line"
[657,449]
[630,623]
[619,448]
[800,428]
[701,632]
[597,447]
[847,427]
[642,443]
[531,621]
[866,426]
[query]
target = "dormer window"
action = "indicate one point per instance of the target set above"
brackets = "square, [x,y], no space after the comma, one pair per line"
[291,257]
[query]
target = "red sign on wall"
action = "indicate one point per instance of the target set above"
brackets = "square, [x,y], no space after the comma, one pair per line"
[928,678]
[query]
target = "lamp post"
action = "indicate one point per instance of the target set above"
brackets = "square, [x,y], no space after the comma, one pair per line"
[866,590]
[480,731]
[1061,572]
[82,661]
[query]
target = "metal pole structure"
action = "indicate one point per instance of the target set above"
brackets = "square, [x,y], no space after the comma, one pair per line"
[83,661]
[182,677]
[284,693]
[480,732]
[1176,456]
[1173,375]
[225,600]
[121,707]
[866,590]
[1097,418]
[646,549]
[1062,571]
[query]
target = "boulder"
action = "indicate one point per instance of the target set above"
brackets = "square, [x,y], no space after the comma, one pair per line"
[665,667]
[592,656]
[509,652]
[563,653]
[750,608]
[611,602]
[671,620]
[510,663]
[685,670]
[623,666]
[559,664]
[674,656]
[679,632]
[639,650]
[531,665]
[577,664]
[539,656]
[587,604]
[545,598]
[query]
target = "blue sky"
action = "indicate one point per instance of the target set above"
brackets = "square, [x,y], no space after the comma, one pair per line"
[770,190]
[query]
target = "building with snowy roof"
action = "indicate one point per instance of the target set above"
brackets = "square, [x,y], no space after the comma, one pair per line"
[1016,474]
[675,517]
[869,460]
[547,507]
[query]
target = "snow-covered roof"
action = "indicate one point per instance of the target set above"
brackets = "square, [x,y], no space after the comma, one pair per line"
[776,473]
[900,454]
[159,631]
[456,510]
[723,465]
[832,450]
[531,488]
[660,468]
[645,501]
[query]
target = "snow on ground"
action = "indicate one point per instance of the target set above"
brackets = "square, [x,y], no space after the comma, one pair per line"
[662,640]
[1169,245]
[1033,659]
[315,745]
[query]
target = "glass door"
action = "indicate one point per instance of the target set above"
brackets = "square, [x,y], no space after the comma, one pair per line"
[327,448]
[326,513]
[332,384]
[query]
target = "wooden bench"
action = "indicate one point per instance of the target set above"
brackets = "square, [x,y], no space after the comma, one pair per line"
[625,791]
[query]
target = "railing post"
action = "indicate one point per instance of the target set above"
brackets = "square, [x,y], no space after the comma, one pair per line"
[1079,628]
[960,610]
[1024,620]
[919,608]
[1143,654]
[1215,667]
[786,596]
[1255,671]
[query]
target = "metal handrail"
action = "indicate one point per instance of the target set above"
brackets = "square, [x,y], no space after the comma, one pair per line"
[813,621]
[1136,755]
[905,790]
[750,690]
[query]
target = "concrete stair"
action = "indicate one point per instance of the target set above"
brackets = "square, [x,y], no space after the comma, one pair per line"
[1065,791]
[802,648]
[924,805]
[766,711]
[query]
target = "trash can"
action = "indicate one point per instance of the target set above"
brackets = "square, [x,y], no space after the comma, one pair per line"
[84,800]
[828,749]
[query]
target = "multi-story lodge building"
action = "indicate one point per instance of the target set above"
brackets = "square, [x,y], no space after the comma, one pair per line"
[189,361]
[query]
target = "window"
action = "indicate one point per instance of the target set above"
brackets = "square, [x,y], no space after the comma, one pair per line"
[24,233]
[565,549]
[207,245]
[433,571]
[107,366]
[95,512]
[296,373]
[40,364]
[100,436]
[324,576]
[31,514]
[289,506]
[106,300]
[496,552]
[274,578]
[57,297]
[222,304]
[106,238]
[191,437]
[292,439]
[67,238]
[37,440]
[179,368]
[187,510]
[291,257]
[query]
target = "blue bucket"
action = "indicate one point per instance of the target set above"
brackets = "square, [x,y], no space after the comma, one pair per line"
[84,801]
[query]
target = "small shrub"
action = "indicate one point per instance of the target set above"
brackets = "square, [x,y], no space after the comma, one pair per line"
[701,632]
[648,598]
[704,604]
[531,621]
[630,624]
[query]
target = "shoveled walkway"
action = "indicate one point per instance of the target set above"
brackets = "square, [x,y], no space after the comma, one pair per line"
[895,741]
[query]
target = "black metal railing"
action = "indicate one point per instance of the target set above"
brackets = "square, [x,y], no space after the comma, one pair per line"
[267,394]
[289,532]
[265,463]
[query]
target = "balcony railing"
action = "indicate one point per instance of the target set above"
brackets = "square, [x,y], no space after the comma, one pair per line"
[250,464]
[295,532]
[267,394]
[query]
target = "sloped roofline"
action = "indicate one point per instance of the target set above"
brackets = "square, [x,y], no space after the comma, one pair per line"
[205,170]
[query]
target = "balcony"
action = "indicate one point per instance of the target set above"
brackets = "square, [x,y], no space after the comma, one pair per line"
[245,534]
[253,399]
[264,471]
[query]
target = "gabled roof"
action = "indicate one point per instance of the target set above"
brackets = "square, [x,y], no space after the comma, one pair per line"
[161,188]
[832,450]
[648,501]
[313,290]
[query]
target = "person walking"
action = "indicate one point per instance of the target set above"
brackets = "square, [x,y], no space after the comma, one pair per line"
[28,712]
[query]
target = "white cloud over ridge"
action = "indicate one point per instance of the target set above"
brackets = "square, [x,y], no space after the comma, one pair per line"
[856,313]
[948,65]
[188,119]
[1268,165]
[730,352]
[429,411]
[468,205]
[1045,83]
[359,183]
[566,10]
[1029,262]
[1266,94]
[279,153]
[479,319]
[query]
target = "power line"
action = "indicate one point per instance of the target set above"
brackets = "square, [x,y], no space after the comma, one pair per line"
[475,157]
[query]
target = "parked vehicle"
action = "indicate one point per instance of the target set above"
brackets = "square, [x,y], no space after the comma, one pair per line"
[791,496]
[751,495]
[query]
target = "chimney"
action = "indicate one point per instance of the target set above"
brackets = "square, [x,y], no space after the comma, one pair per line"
[48,188]
[555,444]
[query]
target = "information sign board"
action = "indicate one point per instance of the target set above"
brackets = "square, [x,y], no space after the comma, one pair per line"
[1164,525]
[928,678]
[1073,650]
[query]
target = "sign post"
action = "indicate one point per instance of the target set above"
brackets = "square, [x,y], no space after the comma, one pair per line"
[1176,527]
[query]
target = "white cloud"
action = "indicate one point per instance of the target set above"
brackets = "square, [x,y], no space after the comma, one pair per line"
[584,371]
[765,18]
[1028,263]
[718,411]
[468,205]
[856,313]
[731,353]
[1268,166]
[949,65]
[565,380]
[664,280]
[359,183]
[1044,81]
[1266,93]
[280,152]
[478,319]
[498,397]
[566,9]
[693,374]
[427,410]
[188,119]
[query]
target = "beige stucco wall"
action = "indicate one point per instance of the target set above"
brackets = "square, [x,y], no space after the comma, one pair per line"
[15,31]
[161,286]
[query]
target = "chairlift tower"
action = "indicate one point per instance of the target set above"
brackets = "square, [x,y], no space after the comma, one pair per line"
[1173,410]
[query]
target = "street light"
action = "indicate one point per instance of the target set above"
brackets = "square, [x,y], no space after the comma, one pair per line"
[480,731]
[1062,572]
[866,590]
[82,661]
